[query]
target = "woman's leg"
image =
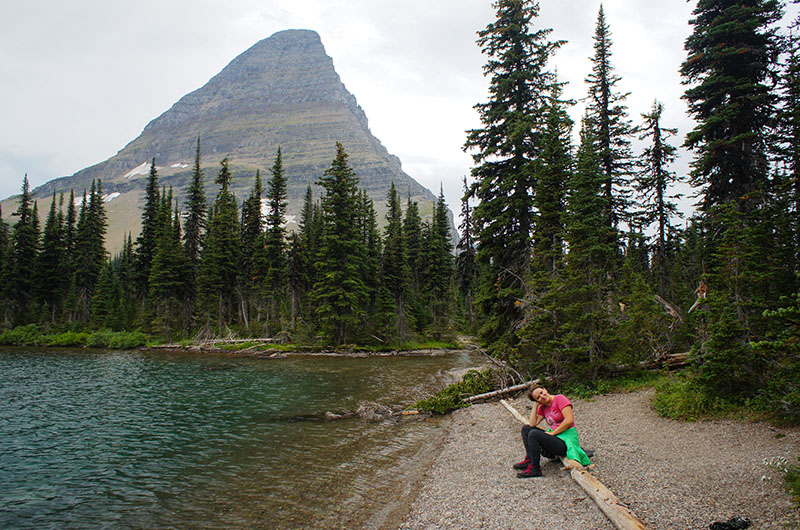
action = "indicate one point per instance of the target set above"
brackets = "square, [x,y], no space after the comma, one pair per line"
[538,441]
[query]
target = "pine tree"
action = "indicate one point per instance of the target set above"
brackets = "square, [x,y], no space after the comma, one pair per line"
[170,275]
[608,116]
[340,294]
[653,182]
[217,278]
[276,265]
[553,172]
[414,249]
[195,225]
[146,242]
[440,270]
[25,245]
[506,148]
[252,230]
[302,258]
[51,274]
[729,66]
[6,270]
[466,270]
[395,266]
[90,252]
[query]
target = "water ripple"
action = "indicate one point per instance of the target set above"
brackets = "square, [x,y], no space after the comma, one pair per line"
[126,440]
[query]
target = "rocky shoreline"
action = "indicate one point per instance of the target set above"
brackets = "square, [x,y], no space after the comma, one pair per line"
[671,474]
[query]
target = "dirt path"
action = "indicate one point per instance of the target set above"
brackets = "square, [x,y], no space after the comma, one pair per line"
[673,475]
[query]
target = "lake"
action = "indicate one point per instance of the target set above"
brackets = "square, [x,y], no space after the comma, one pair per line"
[95,439]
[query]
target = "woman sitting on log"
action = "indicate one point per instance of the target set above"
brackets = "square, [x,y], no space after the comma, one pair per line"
[559,439]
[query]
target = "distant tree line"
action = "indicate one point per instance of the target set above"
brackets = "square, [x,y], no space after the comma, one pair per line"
[217,269]
[578,267]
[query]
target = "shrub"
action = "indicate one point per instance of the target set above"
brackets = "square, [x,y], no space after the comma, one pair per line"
[30,335]
[68,338]
[450,398]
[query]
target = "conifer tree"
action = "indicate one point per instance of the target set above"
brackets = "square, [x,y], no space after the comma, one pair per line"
[414,249]
[301,266]
[395,266]
[466,271]
[608,116]
[506,147]
[440,269]
[730,56]
[25,245]
[6,270]
[51,274]
[553,172]
[653,182]
[106,298]
[217,279]
[371,269]
[146,242]
[339,294]
[195,224]
[276,264]
[252,249]
[90,252]
[170,275]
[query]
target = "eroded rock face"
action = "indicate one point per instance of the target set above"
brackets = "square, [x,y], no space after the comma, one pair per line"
[283,91]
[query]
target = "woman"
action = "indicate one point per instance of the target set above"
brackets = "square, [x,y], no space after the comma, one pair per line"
[560,438]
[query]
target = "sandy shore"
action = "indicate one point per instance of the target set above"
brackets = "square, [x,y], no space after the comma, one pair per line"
[673,475]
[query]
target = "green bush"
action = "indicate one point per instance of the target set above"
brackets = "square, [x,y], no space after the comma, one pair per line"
[682,398]
[68,338]
[117,340]
[450,397]
[30,335]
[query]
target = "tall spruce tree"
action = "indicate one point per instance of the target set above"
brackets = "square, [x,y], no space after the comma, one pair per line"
[439,287]
[170,275]
[466,271]
[275,260]
[731,54]
[146,242]
[395,267]
[25,245]
[219,269]
[339,295]
[608,116]
[653,182]
[195,224]
[506,147]
[252,248]
[90,252]
[553,171]
[51,274]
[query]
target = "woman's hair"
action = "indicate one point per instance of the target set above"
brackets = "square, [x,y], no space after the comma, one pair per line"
[530,390]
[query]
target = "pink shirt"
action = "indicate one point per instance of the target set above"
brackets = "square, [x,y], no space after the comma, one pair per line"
[552,413]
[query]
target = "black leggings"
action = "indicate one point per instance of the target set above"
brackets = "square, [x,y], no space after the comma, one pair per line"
[538,443]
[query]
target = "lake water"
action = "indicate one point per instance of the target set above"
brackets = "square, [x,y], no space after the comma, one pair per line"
[134,440]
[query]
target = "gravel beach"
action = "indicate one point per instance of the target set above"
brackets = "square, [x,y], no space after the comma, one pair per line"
[673,475]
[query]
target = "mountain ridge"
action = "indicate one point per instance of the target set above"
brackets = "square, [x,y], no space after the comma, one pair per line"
[281,92]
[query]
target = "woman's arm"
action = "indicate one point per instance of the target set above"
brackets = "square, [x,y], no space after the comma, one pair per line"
[569,420]
[535,418]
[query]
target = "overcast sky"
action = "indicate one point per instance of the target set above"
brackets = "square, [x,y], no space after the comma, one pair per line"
[79,79]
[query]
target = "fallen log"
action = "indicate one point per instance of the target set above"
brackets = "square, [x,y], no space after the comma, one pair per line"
[501,392]
[620,515]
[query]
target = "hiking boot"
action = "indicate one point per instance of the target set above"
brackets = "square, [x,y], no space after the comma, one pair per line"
[530,472]
[524,464]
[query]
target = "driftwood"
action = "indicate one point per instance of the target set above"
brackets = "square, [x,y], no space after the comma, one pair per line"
[669,308]
[501,392]
[620,515]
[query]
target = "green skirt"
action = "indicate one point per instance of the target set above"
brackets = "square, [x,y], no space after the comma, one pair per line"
[574,449]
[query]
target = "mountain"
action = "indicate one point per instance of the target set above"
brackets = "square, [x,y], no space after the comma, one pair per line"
[283,91]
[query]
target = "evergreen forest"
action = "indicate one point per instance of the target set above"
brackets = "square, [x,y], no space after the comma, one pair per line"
[573,260]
